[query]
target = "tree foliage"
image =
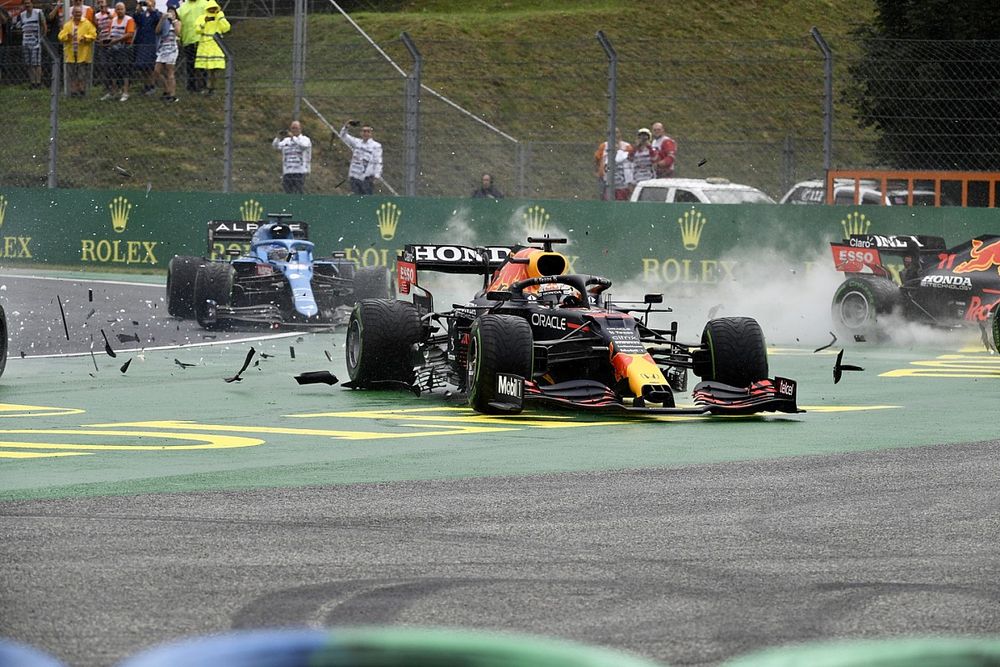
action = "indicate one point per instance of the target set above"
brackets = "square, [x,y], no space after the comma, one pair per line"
[928,79]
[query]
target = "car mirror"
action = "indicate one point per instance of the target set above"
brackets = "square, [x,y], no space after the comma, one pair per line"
[499,295]
[653,298]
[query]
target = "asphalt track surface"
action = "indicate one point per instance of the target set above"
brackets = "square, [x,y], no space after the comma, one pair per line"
[874,514]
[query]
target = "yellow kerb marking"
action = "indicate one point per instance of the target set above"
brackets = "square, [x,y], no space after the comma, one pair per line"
[39,455]
[328,433]
[847,408]
[951,366]
[15,410]
[209,441]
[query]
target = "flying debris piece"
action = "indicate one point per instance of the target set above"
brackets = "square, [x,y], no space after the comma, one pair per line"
[123,172]
[93,358]
[328,357]
[125,338]
[149,186]
[265,355]
[90,295]
[22,354]
[317,377]
[299,339]
[182,364]
[125,366]
[291,351]
[984,334]
[830,344]
[246,364]
[839,368]
[63,313]
[859,338]
[90,314]
[205,336]
[713,310]
[702,162]
[107,346]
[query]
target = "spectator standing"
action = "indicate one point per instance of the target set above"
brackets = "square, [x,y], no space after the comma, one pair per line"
[78,37]
[623,168]
[366,158]
[31,23]
[102,56]
[120,51]
[210,57]
[643,157]
[189,13]
[167,31]
[296,158]
[667,150]
[487,190]
[146,18]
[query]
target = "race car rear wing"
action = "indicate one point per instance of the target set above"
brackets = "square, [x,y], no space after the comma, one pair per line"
[447,259]
[242,231]
[853,254]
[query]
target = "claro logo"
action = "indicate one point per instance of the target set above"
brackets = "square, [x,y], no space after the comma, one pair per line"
[118,251]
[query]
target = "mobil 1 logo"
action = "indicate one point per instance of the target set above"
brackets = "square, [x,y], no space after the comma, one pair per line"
[509,389]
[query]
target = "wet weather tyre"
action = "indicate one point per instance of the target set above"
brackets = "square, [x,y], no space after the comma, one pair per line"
[380,338]
[858,303]
[213,282]
[371,282]
[3,340]
[736,352]
[497,344]
[181,273]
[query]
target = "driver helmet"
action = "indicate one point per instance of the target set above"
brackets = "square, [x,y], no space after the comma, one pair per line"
[279,254]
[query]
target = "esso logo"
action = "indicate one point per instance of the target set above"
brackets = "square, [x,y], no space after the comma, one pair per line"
[863,256]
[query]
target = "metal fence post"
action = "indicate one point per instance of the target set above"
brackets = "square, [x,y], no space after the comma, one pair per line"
[609,154]
[827,98]
[412,120]
[53,181]
[298,56]
[522,166]
[787,163]
[227,145]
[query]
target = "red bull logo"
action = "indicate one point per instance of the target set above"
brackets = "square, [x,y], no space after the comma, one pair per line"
[983,258]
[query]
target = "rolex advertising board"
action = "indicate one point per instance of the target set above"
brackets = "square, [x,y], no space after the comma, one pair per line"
[664,244]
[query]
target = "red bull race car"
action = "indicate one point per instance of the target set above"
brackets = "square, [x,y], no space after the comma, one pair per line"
[535,333]
[928,283]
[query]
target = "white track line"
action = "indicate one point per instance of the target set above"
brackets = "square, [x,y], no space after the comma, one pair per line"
[100,351]
[80,280]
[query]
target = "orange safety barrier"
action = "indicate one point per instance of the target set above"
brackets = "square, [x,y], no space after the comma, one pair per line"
[886,180]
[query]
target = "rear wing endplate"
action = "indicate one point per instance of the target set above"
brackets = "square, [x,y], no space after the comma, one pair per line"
[447,259]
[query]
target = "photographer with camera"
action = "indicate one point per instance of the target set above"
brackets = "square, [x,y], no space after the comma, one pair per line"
[167,31]
[210,58]
[296,158]
[366,158]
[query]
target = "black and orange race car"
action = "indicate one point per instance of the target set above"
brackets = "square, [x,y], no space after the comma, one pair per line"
[535,333]
[930,283]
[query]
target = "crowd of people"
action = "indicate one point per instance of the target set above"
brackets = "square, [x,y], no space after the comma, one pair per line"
[117,51]
[653,155]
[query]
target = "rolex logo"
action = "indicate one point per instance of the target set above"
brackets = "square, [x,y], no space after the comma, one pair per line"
[3,208]
[691,224]
[536,219]
[855,223]
[251,211]
[388,217]
[120,210]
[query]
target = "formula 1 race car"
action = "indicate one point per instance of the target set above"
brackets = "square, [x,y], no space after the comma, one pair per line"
[537,333]
[276,282]
[937,285]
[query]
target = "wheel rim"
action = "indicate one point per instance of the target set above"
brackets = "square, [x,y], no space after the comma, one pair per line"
[354,344]
[855,310]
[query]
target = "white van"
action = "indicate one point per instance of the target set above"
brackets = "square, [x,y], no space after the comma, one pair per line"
[698,191]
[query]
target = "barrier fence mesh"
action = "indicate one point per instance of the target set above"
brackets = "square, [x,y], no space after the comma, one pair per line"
[529,111]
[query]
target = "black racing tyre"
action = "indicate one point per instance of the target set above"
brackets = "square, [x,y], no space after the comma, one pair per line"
[181,273]
[213,282]
[859,301]
[371,282]
[380,336]
[3,340]
[736,352]
[497,344]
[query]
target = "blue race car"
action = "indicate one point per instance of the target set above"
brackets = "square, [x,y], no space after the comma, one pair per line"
[272,278]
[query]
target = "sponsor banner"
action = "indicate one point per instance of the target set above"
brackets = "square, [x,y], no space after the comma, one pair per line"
[664,245]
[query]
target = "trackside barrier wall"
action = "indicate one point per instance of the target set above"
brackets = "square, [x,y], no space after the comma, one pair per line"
[662,244]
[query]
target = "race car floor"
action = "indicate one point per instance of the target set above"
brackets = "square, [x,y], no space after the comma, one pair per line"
[151,501]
